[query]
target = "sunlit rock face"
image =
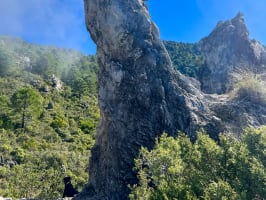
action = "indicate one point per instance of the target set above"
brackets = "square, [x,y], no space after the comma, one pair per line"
[229,53]
[140,95]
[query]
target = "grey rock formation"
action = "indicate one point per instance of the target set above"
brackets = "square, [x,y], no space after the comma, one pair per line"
[57,83]
[236,114]
[229,52]
[140,95]
[7,162]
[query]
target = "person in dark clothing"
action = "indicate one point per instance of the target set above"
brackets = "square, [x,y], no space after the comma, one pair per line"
[69,190]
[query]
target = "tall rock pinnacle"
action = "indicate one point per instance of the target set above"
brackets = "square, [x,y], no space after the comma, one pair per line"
[140,96]
[229,50]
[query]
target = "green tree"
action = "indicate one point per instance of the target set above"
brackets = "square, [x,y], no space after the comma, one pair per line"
[82,77]
[5,121]
[28,103]
[161,171]
[220,190]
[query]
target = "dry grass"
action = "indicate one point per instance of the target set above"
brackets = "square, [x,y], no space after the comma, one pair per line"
[250,88]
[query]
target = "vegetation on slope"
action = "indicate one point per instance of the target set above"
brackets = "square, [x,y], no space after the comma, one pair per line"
[41,60]
[46,132]
[185,57]
[178,169]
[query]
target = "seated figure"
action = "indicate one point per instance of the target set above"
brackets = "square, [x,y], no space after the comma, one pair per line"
[69,190]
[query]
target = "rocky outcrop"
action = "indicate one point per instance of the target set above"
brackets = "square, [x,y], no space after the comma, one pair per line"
[7,162]
[229,52]
[140,95]
[236,114]
[57,83]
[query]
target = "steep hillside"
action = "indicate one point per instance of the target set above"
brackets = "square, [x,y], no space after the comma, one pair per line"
[41,60]
[48,118]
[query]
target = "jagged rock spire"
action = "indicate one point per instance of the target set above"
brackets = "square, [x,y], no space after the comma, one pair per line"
[140,95]
[227,49]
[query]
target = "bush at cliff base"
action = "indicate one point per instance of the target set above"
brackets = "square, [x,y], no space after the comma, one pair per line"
[179,169]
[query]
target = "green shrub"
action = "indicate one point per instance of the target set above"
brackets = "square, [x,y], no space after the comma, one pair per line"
[220,190]
[178,169]
[59,122]
[18,154]
[87,125]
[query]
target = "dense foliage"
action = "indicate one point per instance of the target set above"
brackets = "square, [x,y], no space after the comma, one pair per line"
[185,57]
[178,169]
[46,132]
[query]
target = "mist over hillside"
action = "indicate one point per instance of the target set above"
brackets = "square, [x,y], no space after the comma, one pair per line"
[48,118]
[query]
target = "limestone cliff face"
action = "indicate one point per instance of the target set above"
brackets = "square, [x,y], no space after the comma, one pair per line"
[229,52]
[141,96]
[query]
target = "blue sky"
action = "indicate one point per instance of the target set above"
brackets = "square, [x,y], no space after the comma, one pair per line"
[61,22]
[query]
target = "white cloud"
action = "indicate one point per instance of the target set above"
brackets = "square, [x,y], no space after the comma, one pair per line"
[55,22]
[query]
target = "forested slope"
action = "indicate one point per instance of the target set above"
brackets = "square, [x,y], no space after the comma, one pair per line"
[48,117]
